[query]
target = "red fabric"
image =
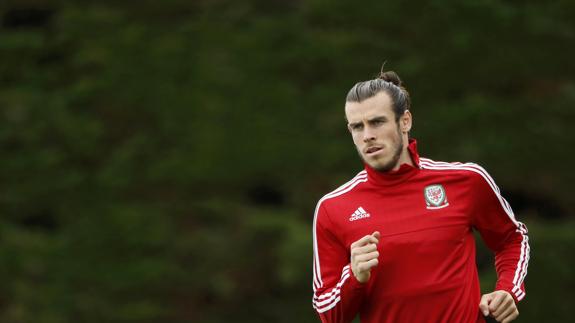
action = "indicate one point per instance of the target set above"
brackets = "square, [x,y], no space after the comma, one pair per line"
[427,270]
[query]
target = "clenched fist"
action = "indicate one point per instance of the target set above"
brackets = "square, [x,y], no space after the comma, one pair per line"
[364,256]
[499,305]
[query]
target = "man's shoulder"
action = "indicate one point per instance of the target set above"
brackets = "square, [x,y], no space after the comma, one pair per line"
[466,167]
[346,188]
[469,170]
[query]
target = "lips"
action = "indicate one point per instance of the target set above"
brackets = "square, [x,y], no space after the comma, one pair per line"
[373,149]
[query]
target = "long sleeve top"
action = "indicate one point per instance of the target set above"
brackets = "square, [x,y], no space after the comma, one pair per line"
[426,215]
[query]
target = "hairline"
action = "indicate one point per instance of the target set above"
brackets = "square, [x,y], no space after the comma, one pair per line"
[385,91]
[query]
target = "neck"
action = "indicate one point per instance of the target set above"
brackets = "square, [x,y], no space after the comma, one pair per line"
[407,166]
[404,158]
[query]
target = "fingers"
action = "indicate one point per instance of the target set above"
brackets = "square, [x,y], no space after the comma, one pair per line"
[367,265]
[509,315]
[506,311]
[484,304]
[500,305]
[363,250]
[370,238]
[502,313]
[364,256]
[495,302]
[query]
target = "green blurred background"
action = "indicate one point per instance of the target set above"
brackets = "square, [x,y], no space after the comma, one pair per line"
[161,160]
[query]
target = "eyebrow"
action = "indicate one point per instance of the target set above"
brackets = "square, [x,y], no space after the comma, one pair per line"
[378,118]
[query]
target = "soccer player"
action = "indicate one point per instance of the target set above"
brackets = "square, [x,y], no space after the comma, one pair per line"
[395,243]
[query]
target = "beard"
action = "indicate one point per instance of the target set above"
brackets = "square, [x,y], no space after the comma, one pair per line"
[397,148]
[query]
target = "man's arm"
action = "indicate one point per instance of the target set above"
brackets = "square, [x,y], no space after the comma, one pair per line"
[338,293]
[507,238]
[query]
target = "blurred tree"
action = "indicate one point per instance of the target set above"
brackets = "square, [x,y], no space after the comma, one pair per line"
[162,162]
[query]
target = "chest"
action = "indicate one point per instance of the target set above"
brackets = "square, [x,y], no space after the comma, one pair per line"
[412,214]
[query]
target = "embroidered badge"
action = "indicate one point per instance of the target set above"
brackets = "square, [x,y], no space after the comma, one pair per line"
[435,197]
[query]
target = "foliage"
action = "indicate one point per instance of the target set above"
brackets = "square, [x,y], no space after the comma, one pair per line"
[162,162]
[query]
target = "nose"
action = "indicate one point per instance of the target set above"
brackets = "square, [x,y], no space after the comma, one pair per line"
[368,135]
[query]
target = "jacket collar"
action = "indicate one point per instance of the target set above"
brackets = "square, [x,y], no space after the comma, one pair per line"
[400,175]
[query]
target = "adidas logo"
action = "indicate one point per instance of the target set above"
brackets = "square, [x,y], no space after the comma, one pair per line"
[359,214]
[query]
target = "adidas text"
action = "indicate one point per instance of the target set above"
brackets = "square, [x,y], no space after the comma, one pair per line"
[359,214]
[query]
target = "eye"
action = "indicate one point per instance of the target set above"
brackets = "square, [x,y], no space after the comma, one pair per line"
[356,126]
[377,122]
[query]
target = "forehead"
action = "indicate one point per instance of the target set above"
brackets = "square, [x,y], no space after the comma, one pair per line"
[376,106]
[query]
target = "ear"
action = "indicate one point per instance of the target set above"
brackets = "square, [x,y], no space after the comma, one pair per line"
[405,121]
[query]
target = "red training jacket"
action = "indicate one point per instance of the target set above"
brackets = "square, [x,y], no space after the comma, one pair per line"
[426,216]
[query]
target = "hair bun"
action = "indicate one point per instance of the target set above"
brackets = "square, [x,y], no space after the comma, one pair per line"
[390,76]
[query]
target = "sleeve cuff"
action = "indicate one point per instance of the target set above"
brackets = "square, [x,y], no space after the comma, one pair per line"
[515,299]
[354,283]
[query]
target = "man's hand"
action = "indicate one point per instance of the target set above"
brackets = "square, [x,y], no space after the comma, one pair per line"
[364,256]
[500,305]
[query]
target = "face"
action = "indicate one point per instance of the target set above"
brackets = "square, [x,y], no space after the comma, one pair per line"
[380,141]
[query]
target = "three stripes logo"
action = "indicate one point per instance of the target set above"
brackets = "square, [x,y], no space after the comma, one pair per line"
[359,214]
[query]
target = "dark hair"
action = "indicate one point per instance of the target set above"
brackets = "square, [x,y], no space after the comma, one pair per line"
[388,82]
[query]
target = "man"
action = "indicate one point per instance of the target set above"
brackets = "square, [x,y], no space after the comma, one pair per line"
[395,244]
